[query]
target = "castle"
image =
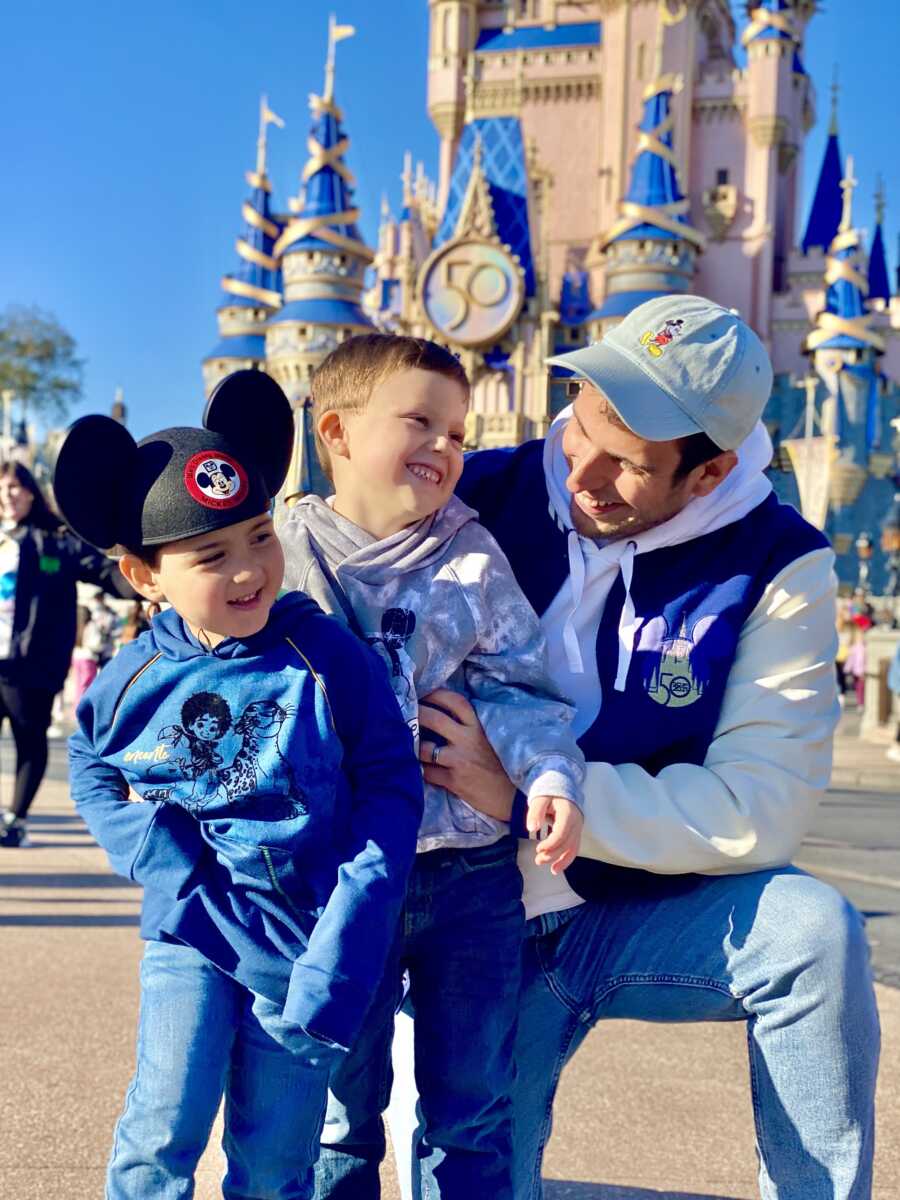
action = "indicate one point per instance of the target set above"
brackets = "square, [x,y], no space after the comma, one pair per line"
[594,155]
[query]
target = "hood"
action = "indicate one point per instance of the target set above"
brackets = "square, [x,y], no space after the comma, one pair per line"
[171,637]
[744,489]
[350,549]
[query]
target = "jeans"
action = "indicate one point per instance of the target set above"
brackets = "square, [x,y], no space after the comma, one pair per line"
[463,924]
[777,949]
[202,1035]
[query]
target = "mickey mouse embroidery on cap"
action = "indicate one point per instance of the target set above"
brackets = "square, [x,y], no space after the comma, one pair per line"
[215,480]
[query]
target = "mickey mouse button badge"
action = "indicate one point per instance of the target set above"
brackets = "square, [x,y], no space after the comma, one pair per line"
[215,479]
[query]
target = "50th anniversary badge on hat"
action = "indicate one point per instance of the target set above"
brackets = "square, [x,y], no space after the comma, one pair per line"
[180,482]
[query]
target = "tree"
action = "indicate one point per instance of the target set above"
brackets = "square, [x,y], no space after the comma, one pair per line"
[38,362]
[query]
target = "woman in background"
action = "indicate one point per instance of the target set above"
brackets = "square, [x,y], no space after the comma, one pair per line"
[40,561]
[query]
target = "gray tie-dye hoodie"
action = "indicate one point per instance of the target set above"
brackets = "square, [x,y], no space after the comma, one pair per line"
[440,603]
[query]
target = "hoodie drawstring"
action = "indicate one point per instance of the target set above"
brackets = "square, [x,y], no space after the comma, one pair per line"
[577,576]
[628,621]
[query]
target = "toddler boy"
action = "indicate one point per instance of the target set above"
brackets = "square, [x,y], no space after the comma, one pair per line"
[407,566]
[279,798]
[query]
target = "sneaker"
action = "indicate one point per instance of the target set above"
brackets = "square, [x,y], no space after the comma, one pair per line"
[893,754]
[14,833]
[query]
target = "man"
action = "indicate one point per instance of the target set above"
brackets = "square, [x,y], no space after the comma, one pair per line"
[691,618]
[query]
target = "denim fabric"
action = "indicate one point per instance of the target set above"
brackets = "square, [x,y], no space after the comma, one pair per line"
[202,1035]
[778,949]
[462,936]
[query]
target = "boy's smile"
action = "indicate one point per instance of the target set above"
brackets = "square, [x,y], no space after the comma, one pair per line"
[221,583]
[398,460]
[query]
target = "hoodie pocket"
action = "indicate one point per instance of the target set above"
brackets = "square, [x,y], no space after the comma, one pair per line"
[256,867]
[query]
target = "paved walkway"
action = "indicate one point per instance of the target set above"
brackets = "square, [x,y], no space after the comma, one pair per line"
[644,1111]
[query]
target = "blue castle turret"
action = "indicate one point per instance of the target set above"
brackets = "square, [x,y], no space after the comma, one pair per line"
[844,347]
[323,262]
[825,211]
[878,278]
[651,249]
[253,291]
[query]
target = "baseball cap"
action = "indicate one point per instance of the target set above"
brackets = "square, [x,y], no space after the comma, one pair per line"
[679,365]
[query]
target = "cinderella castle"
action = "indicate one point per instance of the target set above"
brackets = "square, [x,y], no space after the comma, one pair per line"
[594,155]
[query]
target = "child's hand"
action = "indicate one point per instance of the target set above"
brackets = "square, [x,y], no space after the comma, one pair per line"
[565,820]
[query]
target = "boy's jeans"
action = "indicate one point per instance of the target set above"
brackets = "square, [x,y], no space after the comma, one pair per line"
[462,941]
[199,1037]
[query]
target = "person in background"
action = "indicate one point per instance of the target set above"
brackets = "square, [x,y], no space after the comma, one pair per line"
[84,661]
[894,684]
[855,663]
[101,631]
[40,562]
[845,628]
[135,624]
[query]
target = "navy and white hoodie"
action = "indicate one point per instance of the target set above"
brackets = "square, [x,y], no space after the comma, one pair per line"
[439,602]
[699,655]
[279,800]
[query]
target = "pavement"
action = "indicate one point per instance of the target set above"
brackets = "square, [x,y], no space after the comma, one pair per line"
[644,1111]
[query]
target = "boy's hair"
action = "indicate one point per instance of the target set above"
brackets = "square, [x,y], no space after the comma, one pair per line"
[345,380]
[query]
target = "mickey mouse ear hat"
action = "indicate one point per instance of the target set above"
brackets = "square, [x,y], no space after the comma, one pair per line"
[179,482]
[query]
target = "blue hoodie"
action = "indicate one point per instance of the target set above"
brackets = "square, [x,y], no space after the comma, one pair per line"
[280,799]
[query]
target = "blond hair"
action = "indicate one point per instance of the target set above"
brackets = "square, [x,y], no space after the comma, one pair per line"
[348,376]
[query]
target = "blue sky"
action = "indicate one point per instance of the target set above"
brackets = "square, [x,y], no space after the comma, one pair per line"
[127,128]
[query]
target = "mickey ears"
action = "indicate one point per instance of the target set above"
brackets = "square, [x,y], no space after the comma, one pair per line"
[93,479]
[254,415]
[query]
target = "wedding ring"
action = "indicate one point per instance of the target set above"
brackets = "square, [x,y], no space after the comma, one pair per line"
[434,755]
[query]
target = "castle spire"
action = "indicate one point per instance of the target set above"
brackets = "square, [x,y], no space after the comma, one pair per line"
[253,291]
[826,211]
[845,322]
[324,209]
[879,282]
[655,205]
[654,209]
[323,261]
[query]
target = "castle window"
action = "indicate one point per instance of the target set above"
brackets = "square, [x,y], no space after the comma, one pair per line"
[641,60]
[722,177]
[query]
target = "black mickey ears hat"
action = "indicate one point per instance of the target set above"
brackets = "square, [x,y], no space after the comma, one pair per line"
[179,482]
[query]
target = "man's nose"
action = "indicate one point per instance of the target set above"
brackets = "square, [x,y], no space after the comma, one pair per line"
[586,472]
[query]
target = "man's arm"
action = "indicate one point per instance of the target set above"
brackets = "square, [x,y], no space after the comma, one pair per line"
[752,801]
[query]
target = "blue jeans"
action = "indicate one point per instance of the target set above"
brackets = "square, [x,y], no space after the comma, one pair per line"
[777,949]
[463,925]
[202,1035]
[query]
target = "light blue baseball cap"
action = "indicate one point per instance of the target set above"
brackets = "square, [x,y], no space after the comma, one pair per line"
[679,365]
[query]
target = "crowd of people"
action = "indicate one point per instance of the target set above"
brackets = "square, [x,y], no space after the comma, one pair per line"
[529,742]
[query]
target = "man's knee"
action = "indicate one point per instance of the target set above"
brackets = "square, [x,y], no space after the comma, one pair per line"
[814,925]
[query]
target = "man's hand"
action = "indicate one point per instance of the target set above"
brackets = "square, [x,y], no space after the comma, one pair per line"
[467,765]
[560,847]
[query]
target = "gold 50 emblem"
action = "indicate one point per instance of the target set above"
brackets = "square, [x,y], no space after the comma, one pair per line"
[472,291]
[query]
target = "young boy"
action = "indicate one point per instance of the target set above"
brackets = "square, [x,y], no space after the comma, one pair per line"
[408,566]
[278,790]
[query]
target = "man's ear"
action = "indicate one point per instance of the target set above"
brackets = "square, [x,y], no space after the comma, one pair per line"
[142,577]
[333,433]
[712,473]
